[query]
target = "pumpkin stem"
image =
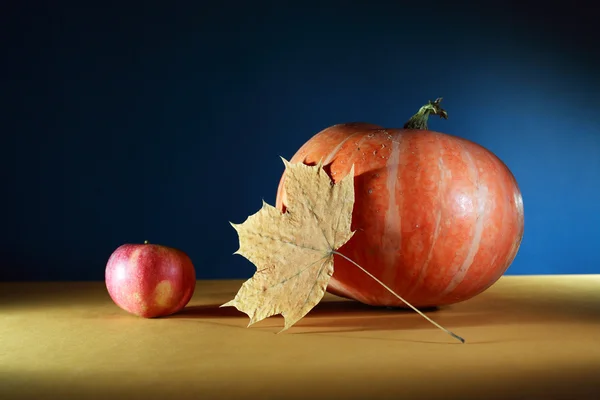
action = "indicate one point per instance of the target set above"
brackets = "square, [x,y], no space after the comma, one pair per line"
[419,120]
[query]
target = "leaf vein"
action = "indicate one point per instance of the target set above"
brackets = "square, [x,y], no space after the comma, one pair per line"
[309,266]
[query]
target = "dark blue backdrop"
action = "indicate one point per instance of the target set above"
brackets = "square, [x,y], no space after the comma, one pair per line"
[124,123]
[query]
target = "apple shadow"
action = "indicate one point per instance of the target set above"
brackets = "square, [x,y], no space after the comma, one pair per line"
[207,311]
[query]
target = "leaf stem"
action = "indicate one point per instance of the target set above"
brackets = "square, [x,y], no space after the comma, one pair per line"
[404,301]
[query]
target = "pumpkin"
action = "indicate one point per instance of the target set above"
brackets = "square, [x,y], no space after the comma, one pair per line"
[437,218]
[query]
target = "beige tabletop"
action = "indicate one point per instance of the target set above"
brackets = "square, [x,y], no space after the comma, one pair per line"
[527,338]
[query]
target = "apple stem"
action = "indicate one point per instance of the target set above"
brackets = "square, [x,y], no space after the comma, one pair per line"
[400,298]
[419,120]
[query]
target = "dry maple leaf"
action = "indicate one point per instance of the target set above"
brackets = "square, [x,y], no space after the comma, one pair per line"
[293,251]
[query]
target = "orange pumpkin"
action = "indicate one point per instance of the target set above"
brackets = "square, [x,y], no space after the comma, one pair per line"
[438,218]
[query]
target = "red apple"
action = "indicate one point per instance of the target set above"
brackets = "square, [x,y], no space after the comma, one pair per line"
[150,280]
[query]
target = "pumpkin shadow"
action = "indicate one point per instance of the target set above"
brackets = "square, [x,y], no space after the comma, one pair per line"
[349,316]
[325,309]
[491,310]
[339,316]
[537,309]
[334,314]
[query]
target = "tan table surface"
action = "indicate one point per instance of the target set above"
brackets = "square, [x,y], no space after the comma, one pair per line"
[532,337]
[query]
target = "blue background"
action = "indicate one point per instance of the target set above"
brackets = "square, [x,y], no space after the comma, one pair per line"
[127,123]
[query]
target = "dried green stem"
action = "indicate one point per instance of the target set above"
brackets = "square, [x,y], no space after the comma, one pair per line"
[401,299]
[419,120]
